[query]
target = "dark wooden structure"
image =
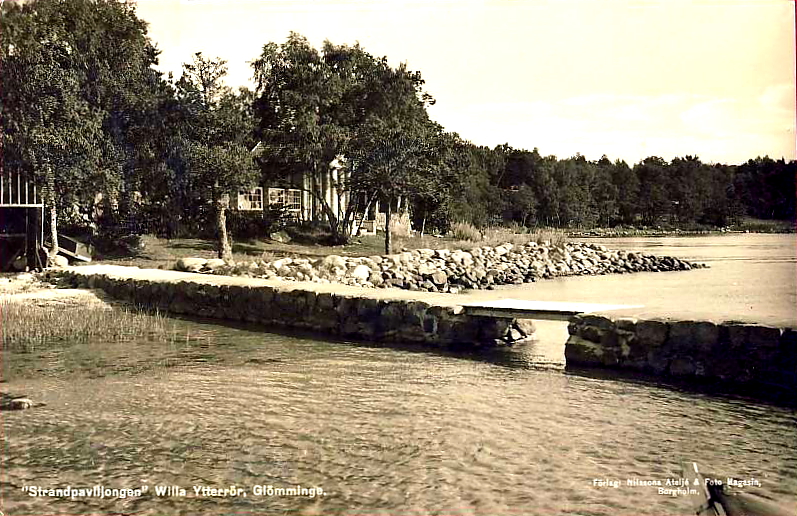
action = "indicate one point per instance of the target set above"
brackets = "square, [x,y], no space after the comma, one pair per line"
[73,249]
[21,222]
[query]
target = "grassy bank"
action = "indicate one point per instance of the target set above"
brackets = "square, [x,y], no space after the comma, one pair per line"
[26,327]
[162,253]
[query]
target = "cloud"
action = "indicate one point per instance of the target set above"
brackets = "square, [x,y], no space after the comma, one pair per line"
[782,97]
[715,117]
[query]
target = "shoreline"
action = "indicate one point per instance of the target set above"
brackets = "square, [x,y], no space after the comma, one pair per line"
[338,310]
[36,289]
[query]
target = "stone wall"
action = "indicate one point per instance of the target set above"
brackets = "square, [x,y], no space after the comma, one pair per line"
[363,318]
[761,357]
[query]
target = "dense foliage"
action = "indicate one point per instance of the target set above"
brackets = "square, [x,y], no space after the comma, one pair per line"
[119,149]
[507,185]
[344,108]
[76,76]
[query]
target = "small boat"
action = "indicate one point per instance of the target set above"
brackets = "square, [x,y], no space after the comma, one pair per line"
[714,498]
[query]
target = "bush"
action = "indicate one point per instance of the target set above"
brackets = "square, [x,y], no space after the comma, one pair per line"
[466,231]
[247,225]
[310,233]
[255,225]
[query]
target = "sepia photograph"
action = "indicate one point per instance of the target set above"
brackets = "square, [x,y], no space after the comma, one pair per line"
[398,257]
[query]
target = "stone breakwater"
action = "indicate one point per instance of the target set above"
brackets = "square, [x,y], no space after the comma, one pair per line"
[761,358]
[442,270]
[348,315]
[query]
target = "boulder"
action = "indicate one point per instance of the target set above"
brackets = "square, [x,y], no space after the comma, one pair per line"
[280,236]
[306,268]
[334,261]
[425,269]
[503,249]
[60,261]
[526,327]
[695,336]
[579,351]
[282,262]
[188,264]
[439,278]
[447,270]
[214,263]
[361,272]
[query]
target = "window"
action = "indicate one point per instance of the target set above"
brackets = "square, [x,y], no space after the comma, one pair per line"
[276,196]
[249,200]
[289,198]
[293,200]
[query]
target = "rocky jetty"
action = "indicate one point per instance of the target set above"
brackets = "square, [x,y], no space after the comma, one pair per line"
[443,270]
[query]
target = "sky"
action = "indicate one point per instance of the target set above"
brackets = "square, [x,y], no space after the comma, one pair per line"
[624,78]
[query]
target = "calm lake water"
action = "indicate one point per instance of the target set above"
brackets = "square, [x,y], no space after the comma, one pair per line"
[393,431]
[750,278]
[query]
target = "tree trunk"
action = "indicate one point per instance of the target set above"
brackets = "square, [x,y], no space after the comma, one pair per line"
[50,201]
[224,247]
[316,189]
[322,208]
[387,225]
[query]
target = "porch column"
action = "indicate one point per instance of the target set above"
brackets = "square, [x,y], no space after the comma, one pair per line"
[307,198]
[335,205]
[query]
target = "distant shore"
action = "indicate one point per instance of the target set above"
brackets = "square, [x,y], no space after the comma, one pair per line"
[620,232]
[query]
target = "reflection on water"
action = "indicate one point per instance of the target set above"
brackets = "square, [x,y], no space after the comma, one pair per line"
[380,430]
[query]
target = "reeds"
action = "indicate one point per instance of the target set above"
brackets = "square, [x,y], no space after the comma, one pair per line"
[25,327]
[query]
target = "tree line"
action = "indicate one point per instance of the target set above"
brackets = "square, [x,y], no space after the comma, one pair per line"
[520,186]
[117,146]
